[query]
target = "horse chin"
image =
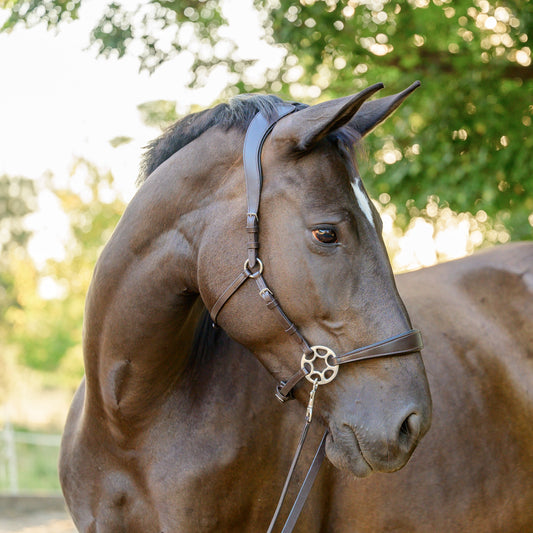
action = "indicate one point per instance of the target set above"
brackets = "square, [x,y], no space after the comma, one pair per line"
[344,453]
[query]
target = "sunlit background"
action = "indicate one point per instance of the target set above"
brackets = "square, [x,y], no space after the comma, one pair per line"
[60,104]
[73,124]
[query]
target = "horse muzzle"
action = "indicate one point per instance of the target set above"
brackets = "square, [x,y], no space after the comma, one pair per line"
[361,447]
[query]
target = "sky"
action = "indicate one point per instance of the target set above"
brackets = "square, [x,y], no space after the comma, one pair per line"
[59,102]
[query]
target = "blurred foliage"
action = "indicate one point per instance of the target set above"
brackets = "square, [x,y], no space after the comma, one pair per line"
[464,137]
[34,12]
[159,113]
[17,200]
[115,142]
[435,233]
[44,331]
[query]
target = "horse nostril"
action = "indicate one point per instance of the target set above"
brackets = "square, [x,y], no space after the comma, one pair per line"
[409,430]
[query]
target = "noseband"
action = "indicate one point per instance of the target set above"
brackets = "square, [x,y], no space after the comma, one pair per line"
[319,364]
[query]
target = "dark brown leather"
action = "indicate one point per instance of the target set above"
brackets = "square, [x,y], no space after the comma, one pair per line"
[306,486]
[284,389]
[268,297]
[256,134]
[289,475]
[403,344]
[228,293]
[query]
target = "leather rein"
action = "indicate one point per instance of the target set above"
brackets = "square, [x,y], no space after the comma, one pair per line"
[319,364]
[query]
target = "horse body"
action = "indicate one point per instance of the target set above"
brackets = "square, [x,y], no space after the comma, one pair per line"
[223,461]
[473,470]
[174,427]
[175,250]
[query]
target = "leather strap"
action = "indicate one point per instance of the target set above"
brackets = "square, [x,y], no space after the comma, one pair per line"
[306,486]
[257,132]
[228,293]
[284,389]
[405,343]
[289,475]
[402,344]
[272,303]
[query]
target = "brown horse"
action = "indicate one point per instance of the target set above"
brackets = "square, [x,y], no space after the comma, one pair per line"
[170,433]
[174,427]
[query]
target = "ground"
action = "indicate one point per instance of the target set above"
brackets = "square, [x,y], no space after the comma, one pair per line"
[34,515]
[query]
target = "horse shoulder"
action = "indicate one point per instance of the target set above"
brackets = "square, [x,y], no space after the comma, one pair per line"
[480,309]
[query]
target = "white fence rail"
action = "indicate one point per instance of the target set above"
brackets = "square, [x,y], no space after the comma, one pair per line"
[9,461]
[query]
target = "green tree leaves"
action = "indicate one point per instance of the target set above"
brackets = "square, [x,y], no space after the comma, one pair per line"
[43,331]
[464,136]
[469,137]
[33,12]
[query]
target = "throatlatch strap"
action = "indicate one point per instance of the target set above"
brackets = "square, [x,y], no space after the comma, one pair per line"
[228,293]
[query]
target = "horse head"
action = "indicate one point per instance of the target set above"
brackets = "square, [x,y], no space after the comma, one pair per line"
[323,257]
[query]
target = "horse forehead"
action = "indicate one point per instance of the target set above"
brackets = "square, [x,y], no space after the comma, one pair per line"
[322,169]
[325,175]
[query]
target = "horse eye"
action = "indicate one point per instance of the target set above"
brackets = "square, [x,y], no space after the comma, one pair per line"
[325,235]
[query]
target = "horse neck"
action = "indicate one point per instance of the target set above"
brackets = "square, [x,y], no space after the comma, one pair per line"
[142,306]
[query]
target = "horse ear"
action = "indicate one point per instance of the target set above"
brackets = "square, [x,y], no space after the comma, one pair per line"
[373,113]
[308,126]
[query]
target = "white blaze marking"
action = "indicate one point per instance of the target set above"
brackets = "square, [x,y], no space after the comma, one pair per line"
[363,201]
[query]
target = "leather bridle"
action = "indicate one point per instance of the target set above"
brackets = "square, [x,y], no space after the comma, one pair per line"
[319,364]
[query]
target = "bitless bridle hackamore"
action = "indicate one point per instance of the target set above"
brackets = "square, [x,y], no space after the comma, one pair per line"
[319,364]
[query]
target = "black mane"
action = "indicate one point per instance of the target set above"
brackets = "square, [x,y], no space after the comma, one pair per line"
[205,341]
[237,113]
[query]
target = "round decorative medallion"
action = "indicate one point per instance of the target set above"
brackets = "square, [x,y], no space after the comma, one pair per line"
[319,365]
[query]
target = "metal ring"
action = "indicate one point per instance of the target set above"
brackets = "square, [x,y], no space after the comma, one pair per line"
[254,275]
[329,370]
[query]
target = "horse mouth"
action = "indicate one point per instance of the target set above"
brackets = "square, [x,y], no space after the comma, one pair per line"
[344,452]
[361,454]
